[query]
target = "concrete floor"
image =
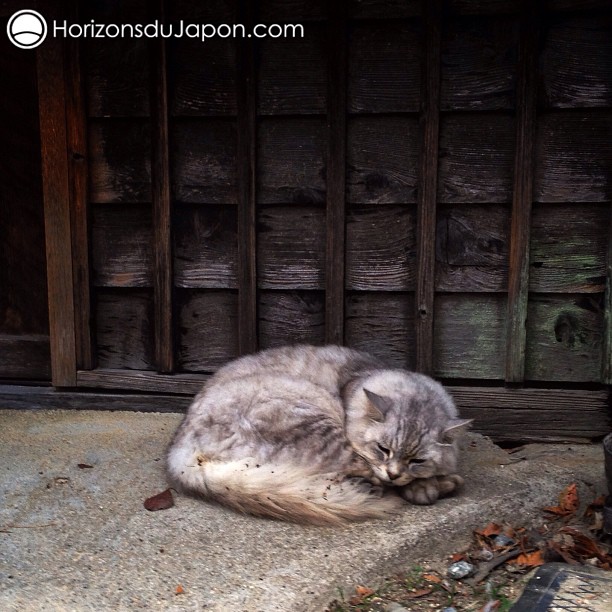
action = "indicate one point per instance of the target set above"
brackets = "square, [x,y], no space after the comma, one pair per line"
[77,539]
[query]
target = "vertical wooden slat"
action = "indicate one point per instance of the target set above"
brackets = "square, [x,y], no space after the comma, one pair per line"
[428,187]
[160,184]
[606,366]
[76,130]
[246,171]
[526,108]
[56,195]
[336,168]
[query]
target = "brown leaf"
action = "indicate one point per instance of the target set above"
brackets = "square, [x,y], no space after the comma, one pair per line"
[361,593]
[532,559]
[419,593]
[179,589]
[161,501]
[432,578]
[84,466]
[492,529]
[568,502]
[457,557]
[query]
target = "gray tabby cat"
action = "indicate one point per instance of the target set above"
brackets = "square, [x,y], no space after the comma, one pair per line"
[318,435]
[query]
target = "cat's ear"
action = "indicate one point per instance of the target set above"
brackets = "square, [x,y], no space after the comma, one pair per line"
[455,429]
[378,405]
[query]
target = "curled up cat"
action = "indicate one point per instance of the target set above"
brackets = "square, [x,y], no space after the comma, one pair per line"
[317,435]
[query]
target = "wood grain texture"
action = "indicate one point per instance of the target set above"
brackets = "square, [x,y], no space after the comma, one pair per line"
[291,248]
[119,161]
[122,246]
[472,248]
[478,63]
[482,7]
[568,251]
[469,337]
[140,380]
[337,80]
[291,160]
[522,193]
[384,67]
[573,157]
[26,356]
[203,165]
[205,247]
[208,322]
[576,62]
[382,160]
[564,338]
[476,158]
[292,11]
[606,362]
[124,321]
[56,196]
[381,248]
[291,317]
[384,9]
[428,188]
[382,324]
[577,5]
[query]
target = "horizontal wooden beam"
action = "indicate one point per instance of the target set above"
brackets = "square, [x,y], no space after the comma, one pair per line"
[141,380]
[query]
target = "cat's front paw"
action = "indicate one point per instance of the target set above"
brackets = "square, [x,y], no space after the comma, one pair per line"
[422,491]
[449,484]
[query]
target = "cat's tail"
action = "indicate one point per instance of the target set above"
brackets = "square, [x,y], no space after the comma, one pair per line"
[288,493]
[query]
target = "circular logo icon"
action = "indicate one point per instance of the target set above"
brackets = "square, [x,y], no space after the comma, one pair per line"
[27,29]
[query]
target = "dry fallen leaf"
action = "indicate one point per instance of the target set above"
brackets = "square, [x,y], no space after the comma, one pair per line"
[532,559]
[419,593]
[179,589]
[361,593]
[432,578]
[568,502]
[84,466]
[161,501]
[492,529]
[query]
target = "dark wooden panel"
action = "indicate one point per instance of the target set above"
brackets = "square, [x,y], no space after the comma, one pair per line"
[576,62]
[141,380]
[384,67]
[472,248]
[122,246]
[291,248]
[203,162]
[573,157]
[119,161]
[564,336]
[291,161]
[606,362]
[292,74]
[208,329]
[381,248]
[476,158]
[384,9]
[293,11]
[382,160]
[197,85]
[532,415]
[569,246]
[479,63]
[577,5]
[124,329]
[469,339]
[25,356]
[382,324]
[482,7]
[211,11]
[291,317]
[205,247]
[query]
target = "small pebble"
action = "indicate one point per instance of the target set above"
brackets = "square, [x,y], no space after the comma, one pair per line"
[449,610]
[460,570]
[502,540]
[395,607]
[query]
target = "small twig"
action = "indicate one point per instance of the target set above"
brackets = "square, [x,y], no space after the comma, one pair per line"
[8,527]
[486,568]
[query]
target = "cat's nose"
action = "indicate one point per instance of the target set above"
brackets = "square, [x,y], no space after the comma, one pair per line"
[393,475]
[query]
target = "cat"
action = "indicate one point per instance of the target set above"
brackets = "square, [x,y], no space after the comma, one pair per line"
[317,435]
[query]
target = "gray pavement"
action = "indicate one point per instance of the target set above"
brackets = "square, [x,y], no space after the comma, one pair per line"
[77,539]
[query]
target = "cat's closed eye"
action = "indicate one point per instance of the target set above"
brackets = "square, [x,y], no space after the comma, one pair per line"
[383,449]
[415,461]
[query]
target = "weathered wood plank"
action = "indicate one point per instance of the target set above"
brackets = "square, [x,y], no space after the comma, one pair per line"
[336,173]
[25,356]
[247,186]
[564,338]
[291,160]
[482,7]
[522,194]
[568,249]
[56,196]
[291,76]
[382,324]
[476,157]
[577,5]
[382,160]
[124,322]
[381,248]
[384,67]
[119,161]
[205,246]
[472,248]
[160,191]
[573,157]
[469,339]
[291,248]
[291,317]
[292,11]
[384,9]
[576,62]
[428,188]
[478,63]
[135,380]
[122,246]
[606,362]
[204,163]
[208,323]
